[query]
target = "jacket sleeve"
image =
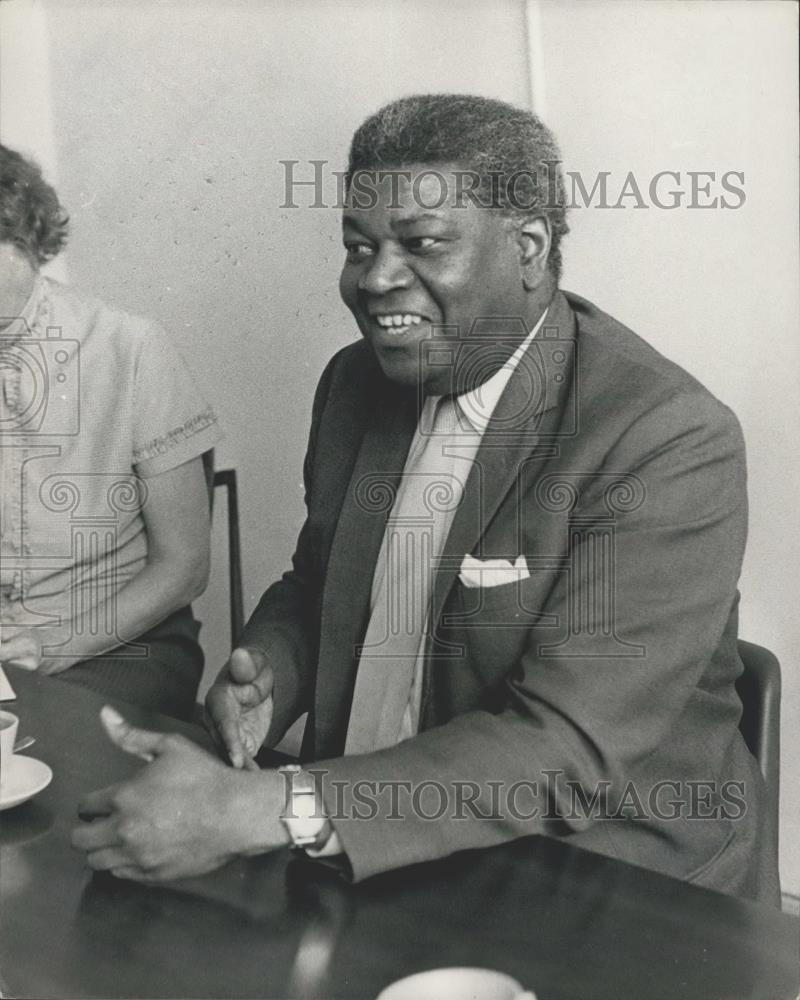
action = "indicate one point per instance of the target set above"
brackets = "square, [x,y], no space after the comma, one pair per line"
[594,720]
[282,624]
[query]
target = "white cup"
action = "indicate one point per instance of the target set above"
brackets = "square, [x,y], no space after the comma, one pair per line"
[456,984]
[9,724]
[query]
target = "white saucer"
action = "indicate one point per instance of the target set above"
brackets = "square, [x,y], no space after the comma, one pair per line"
[22,778]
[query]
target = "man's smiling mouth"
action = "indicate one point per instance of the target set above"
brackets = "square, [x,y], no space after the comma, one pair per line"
[397,321]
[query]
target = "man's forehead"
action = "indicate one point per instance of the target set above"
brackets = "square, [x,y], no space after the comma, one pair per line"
[398,216]
[410,193]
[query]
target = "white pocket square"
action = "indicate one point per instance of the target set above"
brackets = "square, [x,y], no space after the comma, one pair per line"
[492,572]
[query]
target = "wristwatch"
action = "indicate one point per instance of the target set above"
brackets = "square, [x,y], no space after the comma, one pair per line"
[303,817]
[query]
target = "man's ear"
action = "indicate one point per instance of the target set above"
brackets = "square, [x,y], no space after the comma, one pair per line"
[533,237]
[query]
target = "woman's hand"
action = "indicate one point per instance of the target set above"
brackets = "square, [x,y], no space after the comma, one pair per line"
[20,647]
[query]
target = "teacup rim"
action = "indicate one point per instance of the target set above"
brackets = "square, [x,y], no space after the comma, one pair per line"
[462,969]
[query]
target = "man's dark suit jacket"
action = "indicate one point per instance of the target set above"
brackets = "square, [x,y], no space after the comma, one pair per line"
[606,678]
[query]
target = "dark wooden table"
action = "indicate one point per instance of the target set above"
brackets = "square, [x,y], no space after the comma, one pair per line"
[565,923]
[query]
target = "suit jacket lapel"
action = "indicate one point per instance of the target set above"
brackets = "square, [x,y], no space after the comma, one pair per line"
[537,406]
[354,552]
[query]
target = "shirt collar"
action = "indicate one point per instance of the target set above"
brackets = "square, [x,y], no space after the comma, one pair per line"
[479,403]
[23,325]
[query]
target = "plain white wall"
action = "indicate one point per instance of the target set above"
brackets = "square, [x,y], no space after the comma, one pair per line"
[168,122]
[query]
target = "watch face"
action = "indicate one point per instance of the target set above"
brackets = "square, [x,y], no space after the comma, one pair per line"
[305,809]
[303,817]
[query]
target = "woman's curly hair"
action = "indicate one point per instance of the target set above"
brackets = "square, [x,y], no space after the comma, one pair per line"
[31,216]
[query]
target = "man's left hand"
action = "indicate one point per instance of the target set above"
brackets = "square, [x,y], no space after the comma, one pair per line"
[184,814]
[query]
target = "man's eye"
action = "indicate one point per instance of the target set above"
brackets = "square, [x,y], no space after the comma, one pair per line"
[416,243]
[357,251]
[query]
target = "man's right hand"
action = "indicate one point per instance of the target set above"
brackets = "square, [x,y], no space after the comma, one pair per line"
[239,705]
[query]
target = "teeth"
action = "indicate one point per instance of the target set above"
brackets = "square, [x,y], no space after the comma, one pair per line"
[387,320]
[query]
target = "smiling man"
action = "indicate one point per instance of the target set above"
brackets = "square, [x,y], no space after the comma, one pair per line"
[413,273]
[513,606]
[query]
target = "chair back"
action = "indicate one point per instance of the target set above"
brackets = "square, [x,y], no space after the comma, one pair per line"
[759,688]
[226,479]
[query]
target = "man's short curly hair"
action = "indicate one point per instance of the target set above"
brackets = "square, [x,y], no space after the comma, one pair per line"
[513,153]
[31,216]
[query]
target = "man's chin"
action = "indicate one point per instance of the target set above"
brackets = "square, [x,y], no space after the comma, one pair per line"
[400,370]
[406,368]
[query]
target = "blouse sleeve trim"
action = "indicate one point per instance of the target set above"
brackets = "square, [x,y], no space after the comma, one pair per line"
[188,440]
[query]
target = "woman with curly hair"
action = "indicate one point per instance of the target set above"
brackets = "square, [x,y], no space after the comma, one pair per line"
[104,513]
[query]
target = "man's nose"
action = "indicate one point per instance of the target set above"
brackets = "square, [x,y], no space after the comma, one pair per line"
[385,272]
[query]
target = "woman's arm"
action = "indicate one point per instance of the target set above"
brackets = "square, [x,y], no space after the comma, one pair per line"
[177,521]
